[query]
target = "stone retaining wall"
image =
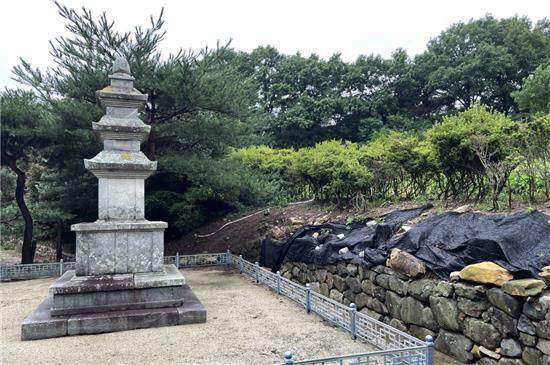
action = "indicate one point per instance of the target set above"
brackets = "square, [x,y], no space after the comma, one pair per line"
[473,323]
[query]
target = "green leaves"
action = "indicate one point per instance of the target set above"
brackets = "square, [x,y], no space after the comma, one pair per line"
[534,95]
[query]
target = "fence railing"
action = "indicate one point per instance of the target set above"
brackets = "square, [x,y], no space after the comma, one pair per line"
[397,347]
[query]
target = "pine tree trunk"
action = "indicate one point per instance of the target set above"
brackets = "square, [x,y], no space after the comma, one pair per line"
[58,245]
[28,250]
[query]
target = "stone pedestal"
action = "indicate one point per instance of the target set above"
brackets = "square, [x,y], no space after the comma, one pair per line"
[120,281]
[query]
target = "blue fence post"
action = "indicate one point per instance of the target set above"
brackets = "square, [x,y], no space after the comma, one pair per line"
[240,264]
[257,272]
[308,298]
[228,258]
[429,350]
[353,318]
[279,282]
[60,267]
[178,260]
[288,358]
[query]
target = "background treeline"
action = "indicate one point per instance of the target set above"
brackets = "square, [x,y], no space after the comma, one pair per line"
[466,119]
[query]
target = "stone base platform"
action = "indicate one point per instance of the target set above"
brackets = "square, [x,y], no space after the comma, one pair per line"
[41,324]
[96,304]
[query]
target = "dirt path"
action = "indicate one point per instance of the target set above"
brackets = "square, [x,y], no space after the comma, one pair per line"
[247,324]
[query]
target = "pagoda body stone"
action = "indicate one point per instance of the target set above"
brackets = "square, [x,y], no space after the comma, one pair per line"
[120,281]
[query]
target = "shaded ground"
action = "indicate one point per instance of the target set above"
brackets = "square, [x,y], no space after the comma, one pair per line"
[247,324]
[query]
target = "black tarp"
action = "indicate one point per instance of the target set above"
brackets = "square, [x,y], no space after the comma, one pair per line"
[446,242]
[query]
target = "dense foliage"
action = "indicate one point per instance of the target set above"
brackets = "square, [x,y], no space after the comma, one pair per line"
[466,119]
[473,154]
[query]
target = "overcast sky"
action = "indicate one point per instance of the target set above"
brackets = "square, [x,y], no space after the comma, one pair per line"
[350,28]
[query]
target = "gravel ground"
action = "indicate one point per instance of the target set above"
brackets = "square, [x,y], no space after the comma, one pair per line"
[246,324]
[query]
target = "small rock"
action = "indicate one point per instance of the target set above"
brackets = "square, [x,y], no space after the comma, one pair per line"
[351,269]
[422,289]
[396,323]
[297,221]
[486,352]
[404,229]
[454,276]
[472,308]
[443,289]
[543,329]
[354,284]
[531,356]
[537,309]
[343,251]
[406,263]
[336,295]
[341,236]
[486,361]
[527,340]
[545,273]
[470,291]
[277,232]
[421,332]
[339,283]
[463,208]
[509,361]
[361,300]
[510,347]
[544,346]
[524,287]
[486,273]
[316,287]
[525,325]
[315,235]
[372,314]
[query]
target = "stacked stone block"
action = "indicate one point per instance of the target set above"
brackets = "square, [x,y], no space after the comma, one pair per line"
[479,324]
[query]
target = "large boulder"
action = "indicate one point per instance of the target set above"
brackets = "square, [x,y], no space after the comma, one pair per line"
[510,347]
[472,308]
[455,345]
[393,303]
[504,302]
[406,263]
[544,346]
[422,289]
[543,329]
[532,356]
[525,325]
[537,309]
[354,284]
[482,333]
[486,273]
[469,291]
[339,283]
[524,287]
[336,295]
[445,312]
[504,323]
[411,311]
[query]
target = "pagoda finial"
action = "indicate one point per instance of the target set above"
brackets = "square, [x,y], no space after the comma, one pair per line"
[120,65]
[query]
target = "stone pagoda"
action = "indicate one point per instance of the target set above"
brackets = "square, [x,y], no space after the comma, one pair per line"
[120,281]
